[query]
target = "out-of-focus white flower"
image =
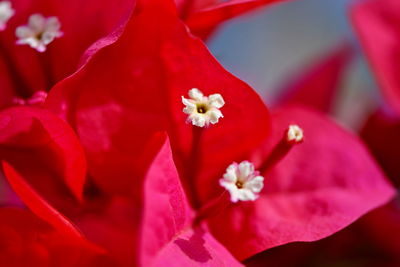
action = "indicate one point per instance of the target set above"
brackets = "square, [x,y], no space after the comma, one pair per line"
[39,32]
[6,12]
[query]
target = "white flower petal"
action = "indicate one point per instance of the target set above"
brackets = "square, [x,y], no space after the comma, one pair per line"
[246,195]
[196,94]
[198,120]
[230,174]
[23,32]
[216,101]
[256,184]
[245,169]
[214,115]
[37,23]
[52,24]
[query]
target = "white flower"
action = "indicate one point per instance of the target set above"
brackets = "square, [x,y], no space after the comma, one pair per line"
[203,110]
[242,182]
[294,134]
[39,32]
[6,12]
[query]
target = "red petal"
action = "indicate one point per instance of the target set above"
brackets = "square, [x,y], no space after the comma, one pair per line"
[65,232]
[378,26]
[373,239]
[166,209]
[382,225]
[244,126]
[194,248]
[381,132]
[318,86]
[115,226]
[26,240]
[167,238]
[202,22]
[7,92]
[44,149]
[38,205]
[39,71]
[115,111]
[321,186]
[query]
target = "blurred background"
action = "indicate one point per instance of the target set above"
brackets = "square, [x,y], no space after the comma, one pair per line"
[269,47]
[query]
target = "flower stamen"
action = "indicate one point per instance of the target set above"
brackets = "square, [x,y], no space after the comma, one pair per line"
[292,136]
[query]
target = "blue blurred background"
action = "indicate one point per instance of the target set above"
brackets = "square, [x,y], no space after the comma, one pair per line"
[270,46]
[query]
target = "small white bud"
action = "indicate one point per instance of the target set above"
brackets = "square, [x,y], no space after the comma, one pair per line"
[294,134]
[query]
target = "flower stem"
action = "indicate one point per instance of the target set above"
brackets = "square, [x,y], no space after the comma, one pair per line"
[21,87]
[194,166]
[211,209]
[276,155]
[47,67]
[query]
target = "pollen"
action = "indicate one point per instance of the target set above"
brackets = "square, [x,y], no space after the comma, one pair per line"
[294,134]
[39,32]
[202,110]
[6,12]
[242,182]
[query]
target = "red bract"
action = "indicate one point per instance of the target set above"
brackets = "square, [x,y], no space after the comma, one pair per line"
[168,236]
[39,237]
[161,63]
[308,194]
[115,111]
[378,26]
[25,71]
[371,241]
[382,226]
[203,16]
[45,150]
[381,132]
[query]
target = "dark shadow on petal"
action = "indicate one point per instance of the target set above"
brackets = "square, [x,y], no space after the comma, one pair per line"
[194,247]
